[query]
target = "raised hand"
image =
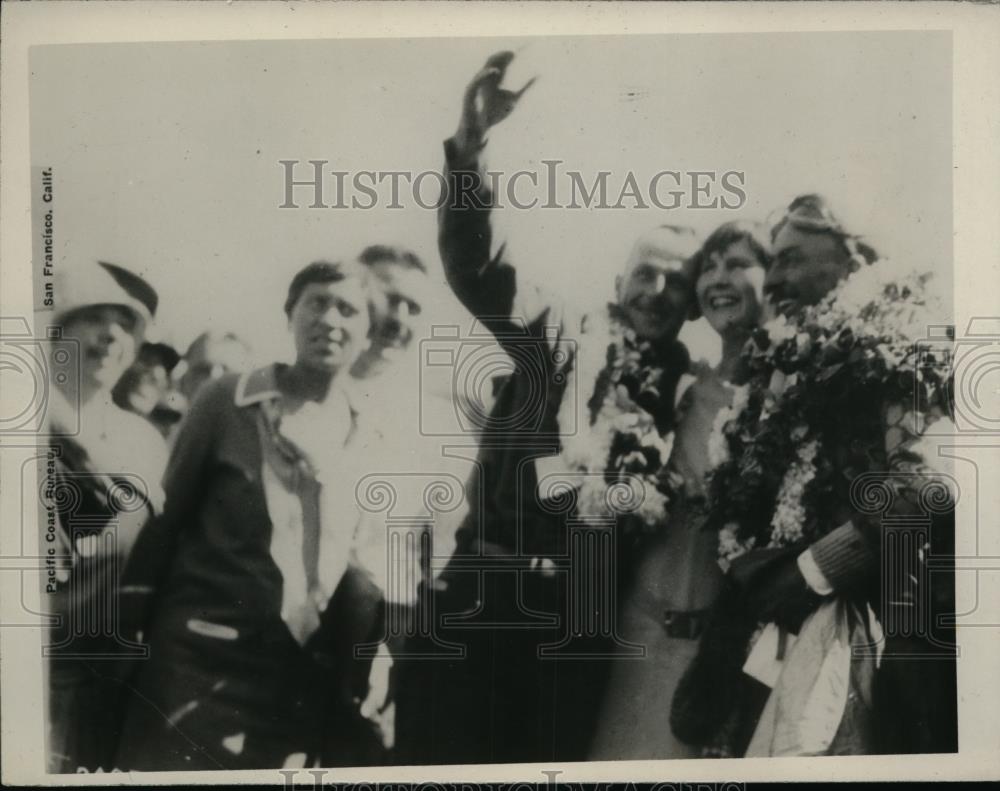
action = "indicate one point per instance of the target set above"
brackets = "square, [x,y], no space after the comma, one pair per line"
[486,103]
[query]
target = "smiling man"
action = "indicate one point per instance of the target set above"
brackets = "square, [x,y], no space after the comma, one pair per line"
[812,254]
[505,592]
[913,702]
[252,545]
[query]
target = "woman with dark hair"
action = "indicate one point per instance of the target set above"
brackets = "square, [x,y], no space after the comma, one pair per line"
[246,667]
[678,579]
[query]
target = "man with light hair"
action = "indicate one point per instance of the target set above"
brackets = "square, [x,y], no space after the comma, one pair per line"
[505,595]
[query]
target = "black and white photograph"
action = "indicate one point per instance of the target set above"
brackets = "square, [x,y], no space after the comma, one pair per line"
[458,400]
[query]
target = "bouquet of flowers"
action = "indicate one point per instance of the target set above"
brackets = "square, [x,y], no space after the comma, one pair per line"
[622,449]
[810,421]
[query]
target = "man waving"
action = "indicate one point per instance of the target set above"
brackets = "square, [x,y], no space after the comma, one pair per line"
[590,401]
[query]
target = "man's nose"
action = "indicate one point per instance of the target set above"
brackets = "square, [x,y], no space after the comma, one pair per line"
[330,318]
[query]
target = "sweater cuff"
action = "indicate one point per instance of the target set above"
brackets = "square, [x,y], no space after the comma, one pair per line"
[842,556]
[815,578]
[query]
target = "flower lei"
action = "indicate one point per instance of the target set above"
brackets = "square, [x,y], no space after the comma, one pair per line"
[619,450]
[785,453]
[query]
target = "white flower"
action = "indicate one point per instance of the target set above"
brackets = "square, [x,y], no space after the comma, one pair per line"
[730,546]
[779,329]
[588,450]
[789,513]
[718,445]
[741,397]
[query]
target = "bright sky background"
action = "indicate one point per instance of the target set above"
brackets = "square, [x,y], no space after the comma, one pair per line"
[166,155]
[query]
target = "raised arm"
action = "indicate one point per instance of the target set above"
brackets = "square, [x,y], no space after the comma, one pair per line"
[486,284]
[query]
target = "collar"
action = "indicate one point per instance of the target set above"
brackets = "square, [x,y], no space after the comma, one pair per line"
[261,385]
[256,386]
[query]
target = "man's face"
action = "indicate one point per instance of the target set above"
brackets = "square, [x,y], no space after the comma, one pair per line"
[399,313]
[215,358]
[330,323]
[807,266]
[655,292]
[108,336]
[730,288]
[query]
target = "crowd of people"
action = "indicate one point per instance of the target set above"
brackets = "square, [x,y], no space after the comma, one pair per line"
[227,600]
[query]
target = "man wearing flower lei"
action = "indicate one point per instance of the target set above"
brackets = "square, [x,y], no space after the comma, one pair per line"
[671,590]
[834,507]
[590,402]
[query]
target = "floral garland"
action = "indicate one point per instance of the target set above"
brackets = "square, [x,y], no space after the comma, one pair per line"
[784,455]
[620,451]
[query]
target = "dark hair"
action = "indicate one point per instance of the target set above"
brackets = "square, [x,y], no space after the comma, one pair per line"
[729,234]
[319,272]
[377,253]
[720,240]
[811,213]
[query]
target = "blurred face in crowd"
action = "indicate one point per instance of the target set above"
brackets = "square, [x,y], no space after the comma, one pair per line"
[108,337]
[806,266]
[730,288]
[655,292]
[400,300]
[330,323]
[216,357]
[150,383]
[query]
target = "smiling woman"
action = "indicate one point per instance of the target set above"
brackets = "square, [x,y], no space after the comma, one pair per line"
[730,278]
[676,579]
[101,456]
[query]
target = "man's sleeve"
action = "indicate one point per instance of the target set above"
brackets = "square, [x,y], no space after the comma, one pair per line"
[486,284]
[186,476]
[849,554]
[841,559]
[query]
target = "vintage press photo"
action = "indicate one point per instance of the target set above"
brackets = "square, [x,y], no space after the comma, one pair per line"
[551,399]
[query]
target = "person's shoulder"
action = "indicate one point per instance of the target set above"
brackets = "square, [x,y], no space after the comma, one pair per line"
[240,389]
[213,398]
[219,390]
[138,429]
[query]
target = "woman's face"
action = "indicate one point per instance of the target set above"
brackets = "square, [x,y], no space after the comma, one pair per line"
[108,337]
[730,288]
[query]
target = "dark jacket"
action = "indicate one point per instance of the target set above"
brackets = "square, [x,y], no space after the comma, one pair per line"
[538,334]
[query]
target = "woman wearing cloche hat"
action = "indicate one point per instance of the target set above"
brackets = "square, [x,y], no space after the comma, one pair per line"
[102,483]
